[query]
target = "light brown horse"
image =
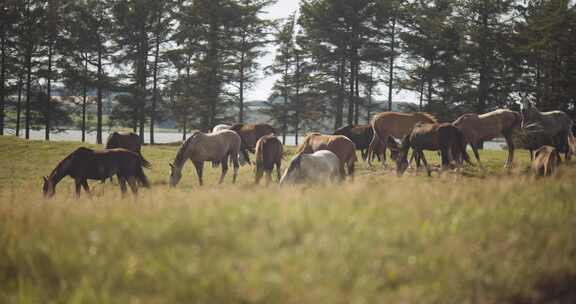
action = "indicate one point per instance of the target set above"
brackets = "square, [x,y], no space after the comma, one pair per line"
[201,147]
[268,153]
[84,164]
[480,128]
[546,161]
[250,133]
[340,145]
[393,124]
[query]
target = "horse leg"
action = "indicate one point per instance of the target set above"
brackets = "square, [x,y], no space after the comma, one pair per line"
[351,170]
[476,154]
[224,164]
[78,184]
[384,146]
[259,173]
[278,170]
[86,187]
[236,165]
[364,153]
[342,172]
[122,183]
[428,170]
[269,176]
[372,149]
[133,185]
[510,145]
[199,165]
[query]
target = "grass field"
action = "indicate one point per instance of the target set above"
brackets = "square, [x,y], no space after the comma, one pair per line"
[485,237]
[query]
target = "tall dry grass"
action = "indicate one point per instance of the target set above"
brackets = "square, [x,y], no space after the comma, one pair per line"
[486,237]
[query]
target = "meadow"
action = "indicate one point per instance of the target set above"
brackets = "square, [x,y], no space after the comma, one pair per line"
[493,236]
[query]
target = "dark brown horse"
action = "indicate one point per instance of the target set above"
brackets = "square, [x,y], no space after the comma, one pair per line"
[362,135]
[480,128]
[444,137]
[250,133]
[394,124]
[84,164]
[126,140]
[340,145]
[268,154]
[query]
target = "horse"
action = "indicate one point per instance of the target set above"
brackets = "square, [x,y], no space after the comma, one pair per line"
[250,133]
[387,124]
[320,166]
[480,128]
[361,136]
[439,136]
[555,124]
[268,153]
[201,147]
[220,127]
[546,161]
[340,145]
[85,163]
[127,140]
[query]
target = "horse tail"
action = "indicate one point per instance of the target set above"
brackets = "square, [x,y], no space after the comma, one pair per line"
[571,140]
[259,152]
[375,139]
[141,177]
[146,164]
[461,147]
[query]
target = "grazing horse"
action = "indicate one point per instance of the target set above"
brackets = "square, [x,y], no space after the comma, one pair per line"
[480,128]
[362,135]
[268,153]
[318,167]
[220,127]
[250,133]
[127,140]
[439,136]
[546,161]
[554,124]
[340,145]
[201,147]
[84,164]
[387,124]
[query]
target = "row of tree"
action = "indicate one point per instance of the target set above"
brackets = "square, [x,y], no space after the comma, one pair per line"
[190,61]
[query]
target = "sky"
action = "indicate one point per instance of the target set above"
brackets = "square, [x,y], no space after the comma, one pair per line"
[263,87]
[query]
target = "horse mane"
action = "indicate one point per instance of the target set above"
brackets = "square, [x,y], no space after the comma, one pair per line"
[306,142]
[236,127]
[427,116]
[180,155]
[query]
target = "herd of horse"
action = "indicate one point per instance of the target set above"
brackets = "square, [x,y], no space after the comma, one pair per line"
[329,158]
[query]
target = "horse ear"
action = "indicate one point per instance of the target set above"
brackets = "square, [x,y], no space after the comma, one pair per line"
[45,179]
[171,165]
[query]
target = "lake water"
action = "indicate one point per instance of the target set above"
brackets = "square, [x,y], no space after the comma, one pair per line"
[169,137]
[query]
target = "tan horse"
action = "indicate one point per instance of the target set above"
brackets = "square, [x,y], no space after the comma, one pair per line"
[250,133]
[201,147]
[340,145]
[546,160]
[268,154]
[85,163]
[393,124]
[480,128]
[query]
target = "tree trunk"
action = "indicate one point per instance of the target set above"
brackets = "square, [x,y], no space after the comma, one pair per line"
[483,85]
[242,80]
[297,98]
[47,109]
[285,116]
[99,100]
[391,65]
[356,88]
[370,92]
[351,90]
[19,104]
[2,77]
[155,82]
[29,49]
[84,97]
[341,78]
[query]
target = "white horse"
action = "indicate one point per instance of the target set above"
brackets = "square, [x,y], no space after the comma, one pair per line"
[319,167]
[222,127]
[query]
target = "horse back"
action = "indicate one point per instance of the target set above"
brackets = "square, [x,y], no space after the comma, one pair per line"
[398,124]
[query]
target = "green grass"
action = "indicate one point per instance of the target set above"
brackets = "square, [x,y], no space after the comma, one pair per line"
[491,236]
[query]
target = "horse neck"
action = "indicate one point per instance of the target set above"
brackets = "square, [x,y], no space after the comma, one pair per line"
[60,171]
[184,152]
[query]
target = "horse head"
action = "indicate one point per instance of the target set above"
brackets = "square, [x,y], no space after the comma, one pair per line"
[175,175]
[402,158]
[527,109]
[48,188]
